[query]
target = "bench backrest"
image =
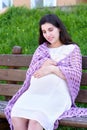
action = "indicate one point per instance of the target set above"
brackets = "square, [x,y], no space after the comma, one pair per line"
[13,70]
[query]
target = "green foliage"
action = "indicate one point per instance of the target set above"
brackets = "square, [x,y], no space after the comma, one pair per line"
[19,26]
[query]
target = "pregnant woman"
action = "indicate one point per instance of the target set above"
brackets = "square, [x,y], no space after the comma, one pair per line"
[52,81]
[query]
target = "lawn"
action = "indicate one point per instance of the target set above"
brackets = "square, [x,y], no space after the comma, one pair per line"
[19,26]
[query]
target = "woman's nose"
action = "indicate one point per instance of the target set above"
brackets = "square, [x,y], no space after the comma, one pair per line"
[47,34]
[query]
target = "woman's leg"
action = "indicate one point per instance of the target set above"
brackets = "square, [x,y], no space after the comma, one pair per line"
[20,123]
[34,125]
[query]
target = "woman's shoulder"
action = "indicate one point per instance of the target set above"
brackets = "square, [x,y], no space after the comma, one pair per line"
[68,48]
[41,49]
[76,47]
[72,46]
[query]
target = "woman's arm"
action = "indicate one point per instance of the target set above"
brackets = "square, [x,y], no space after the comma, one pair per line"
[49,67]
[57,71]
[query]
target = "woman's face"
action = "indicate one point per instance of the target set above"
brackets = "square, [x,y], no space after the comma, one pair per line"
[51,34]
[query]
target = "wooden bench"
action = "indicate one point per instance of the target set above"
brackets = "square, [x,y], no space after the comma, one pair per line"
[12,74]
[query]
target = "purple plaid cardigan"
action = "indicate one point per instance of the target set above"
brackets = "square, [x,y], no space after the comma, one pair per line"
[71,67]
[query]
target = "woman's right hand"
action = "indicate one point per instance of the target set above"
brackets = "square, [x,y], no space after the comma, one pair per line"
[45,69]
[49,62]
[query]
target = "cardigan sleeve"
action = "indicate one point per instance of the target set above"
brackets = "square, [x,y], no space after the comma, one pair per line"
[72,69]
[38,59]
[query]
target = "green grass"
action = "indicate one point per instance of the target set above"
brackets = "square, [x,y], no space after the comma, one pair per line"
[19,26]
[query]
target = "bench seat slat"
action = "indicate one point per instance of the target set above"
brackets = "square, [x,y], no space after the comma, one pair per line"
[72,121]
[17,60]
[9,89]
[12,74]
[80,122]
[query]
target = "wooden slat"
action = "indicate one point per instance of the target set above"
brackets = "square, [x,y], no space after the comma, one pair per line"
[82,97]
[15,60]
[12,74]
[9,89]
[84,62]
[84,79]
[11,60]
[80,122]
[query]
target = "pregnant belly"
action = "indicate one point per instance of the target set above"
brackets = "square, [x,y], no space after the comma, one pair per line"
[46,84]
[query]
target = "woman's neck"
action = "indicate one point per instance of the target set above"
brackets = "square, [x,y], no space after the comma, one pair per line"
[55,45]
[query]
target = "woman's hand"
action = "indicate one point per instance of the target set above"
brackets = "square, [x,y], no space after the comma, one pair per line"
[49,67]
[45,69]
[49,62]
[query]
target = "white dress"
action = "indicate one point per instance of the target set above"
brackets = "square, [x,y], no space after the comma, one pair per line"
[47,97]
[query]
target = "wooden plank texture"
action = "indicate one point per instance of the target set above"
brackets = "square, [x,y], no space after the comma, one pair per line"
[79,122]
[12,74]
[9,89]
[84,62]
[11,60]
[82,96]
[84,79]
[15,60]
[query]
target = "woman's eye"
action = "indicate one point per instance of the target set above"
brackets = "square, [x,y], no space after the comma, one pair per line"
[50,29]
[44,32]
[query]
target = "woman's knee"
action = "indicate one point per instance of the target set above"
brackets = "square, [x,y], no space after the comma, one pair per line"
[15,120]
[19,122]
[35,124]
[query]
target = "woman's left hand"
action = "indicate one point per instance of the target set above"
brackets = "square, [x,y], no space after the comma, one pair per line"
[43,71]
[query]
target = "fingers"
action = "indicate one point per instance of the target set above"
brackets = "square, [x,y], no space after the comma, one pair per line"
[54,63]
[37,74]
[50,62]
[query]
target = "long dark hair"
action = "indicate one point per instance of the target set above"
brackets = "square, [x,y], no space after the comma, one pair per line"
[54,20]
